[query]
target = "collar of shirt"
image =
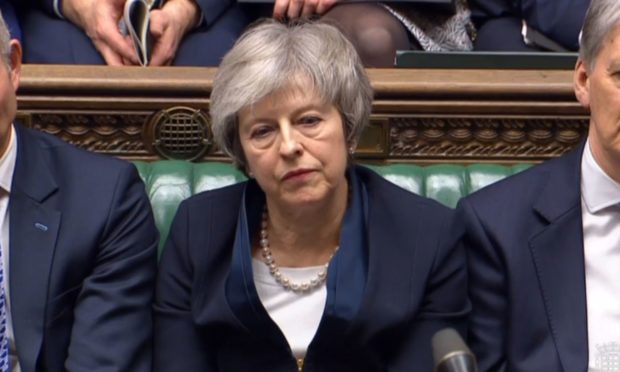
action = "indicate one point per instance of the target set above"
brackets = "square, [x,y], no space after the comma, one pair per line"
[598,190]
[7,163]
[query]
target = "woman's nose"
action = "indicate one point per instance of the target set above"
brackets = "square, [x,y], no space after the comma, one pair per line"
[290,144]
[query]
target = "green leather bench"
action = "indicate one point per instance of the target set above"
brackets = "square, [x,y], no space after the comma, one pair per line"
[168,182]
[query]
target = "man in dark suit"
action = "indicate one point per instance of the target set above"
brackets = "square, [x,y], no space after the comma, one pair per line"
[543,246]
[499,23]
[185,32]
[78,250]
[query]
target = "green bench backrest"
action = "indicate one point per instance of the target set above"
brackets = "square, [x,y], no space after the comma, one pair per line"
[168,182]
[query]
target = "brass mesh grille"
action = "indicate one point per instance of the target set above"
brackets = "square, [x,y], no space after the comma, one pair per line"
[180,133]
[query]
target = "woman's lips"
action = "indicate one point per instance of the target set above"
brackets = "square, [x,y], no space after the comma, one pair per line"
[296,174]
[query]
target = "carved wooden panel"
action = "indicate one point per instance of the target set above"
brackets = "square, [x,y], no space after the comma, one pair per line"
[418,115]
[484,138]
[108,133]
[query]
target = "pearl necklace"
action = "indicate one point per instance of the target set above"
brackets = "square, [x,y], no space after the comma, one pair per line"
[274,270]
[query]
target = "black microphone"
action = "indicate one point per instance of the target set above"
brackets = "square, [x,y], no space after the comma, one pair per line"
[451,354]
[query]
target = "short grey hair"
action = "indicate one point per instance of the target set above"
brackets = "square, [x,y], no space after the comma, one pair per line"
[5,39]
[602,16]
[271,56]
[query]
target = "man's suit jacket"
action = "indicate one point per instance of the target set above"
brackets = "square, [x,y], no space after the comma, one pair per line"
[499,22]
[50,39]
[382,306]
[82,256]
[524,244]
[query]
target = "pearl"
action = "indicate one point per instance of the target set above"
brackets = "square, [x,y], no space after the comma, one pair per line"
[274,270]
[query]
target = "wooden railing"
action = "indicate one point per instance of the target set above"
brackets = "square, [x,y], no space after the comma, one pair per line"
[420,116]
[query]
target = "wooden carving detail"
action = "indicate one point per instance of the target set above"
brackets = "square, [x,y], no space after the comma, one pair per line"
[479,138]
[419,115]
[415,138]
[117,135]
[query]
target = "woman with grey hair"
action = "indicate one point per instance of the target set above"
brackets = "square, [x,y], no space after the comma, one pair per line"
[314,264]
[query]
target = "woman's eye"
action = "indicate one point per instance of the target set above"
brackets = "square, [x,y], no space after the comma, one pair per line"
[309,120]
[260,132]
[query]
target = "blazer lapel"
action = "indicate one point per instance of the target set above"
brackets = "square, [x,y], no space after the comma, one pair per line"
[240,288]
[557,252]
[33,231]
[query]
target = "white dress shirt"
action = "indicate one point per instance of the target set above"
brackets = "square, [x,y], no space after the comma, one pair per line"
[297,315]
[7,166]
[600,196]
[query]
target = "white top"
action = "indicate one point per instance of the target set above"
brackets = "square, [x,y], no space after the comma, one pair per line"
[7,166]
[600,211]
[297,315]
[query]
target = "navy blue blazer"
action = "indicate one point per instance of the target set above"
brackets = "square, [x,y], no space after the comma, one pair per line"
[499,22]
[82,259]
[524,246]
[49,39]
[383,304]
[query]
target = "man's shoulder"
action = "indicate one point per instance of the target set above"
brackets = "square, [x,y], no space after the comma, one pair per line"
[64,157]
[516,195]
[518,185]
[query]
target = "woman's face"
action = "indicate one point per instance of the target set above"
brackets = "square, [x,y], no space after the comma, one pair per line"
[295,147]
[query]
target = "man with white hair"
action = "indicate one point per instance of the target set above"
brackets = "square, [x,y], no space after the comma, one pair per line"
[544,246]
[78,250]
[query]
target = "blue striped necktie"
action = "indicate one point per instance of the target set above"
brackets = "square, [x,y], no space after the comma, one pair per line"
[4,337]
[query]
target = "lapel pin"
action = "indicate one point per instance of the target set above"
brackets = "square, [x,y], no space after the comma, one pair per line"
[40,226]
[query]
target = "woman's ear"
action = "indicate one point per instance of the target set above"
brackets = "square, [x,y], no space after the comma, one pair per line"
[351,146]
